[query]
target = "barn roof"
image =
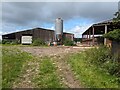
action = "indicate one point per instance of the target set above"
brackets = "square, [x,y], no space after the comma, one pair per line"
[30,30]
[36,29]
[104,22]
[107,22]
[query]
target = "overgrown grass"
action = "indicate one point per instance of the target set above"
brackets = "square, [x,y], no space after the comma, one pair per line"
[47,77]
[12,61]
[89,68]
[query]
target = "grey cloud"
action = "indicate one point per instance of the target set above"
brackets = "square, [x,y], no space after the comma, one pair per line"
[26,13]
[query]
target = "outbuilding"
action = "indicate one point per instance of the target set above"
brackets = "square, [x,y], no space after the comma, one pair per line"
[93,35]
[27,36]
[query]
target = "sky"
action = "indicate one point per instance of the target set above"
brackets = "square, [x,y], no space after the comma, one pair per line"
[77,16]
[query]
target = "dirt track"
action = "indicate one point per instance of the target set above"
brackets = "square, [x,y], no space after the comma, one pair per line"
[57,53]
[51,51]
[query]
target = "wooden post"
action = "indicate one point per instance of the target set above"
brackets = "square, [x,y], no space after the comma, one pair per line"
[82,38]
[89,37]
[105,40]
[89,34]
[93,41]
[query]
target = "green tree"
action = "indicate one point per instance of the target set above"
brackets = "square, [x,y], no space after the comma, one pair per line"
[113,35]
[117,14]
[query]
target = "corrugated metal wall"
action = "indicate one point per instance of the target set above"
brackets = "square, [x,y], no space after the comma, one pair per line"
[68,35]
[44,34]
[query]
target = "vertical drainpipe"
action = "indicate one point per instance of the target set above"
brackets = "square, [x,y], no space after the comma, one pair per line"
[105,40]
[93,41]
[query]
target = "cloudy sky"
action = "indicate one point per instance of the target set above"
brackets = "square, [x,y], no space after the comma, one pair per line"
[77,16]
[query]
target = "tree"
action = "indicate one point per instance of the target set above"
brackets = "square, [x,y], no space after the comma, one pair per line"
[113,35]
[116,20]
[117,14]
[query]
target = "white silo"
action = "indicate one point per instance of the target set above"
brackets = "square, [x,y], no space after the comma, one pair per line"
[59,30]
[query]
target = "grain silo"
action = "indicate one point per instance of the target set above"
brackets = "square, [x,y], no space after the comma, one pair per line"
[59,30]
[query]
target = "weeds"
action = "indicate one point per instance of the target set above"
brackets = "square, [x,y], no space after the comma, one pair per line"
[95,68]
[12,62]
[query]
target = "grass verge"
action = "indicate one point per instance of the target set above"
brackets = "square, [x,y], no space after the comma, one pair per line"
[89,74]
[12,62]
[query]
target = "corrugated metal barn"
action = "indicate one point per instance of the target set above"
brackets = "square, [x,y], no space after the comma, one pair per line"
[44,34]
[92,36]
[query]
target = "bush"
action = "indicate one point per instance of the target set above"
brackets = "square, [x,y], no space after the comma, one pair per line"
[112,67]
[95,68]
[38,42]
[5,41]
[97,55]
[13,42]
[113,35]
[68,42]
[102,58]
[0,41]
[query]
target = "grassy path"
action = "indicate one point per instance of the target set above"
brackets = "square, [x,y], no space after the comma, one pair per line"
[47,77]
[65,72]
[38,73]
[43,69]
[29,71]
